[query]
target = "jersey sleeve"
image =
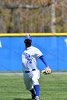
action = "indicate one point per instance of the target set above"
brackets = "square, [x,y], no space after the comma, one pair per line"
[38,53]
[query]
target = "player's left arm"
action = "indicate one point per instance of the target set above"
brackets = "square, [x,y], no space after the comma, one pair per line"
[43,60]
[39,55]
[46,70]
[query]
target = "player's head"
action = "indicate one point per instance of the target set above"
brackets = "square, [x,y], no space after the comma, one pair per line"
[28,42]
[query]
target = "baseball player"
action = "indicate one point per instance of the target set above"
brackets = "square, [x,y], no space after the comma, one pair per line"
[31,73]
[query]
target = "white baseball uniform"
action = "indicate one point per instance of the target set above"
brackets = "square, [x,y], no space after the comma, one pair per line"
[30,70]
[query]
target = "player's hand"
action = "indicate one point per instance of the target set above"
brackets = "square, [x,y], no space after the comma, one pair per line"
[27,34]
[47,70]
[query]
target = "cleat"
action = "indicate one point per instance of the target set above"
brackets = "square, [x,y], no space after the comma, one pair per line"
[37,98]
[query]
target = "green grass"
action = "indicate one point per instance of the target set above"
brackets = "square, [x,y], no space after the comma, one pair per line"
[53,87]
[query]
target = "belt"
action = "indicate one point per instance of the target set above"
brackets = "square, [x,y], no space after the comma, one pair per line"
[29,71]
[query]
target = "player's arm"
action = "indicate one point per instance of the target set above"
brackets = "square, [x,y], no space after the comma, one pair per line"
[28,36]
[46,70]
[39,55]
[43,60]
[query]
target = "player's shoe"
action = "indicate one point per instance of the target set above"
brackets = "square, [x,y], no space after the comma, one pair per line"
[37,98]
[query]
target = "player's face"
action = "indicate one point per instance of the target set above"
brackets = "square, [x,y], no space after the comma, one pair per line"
[27,44]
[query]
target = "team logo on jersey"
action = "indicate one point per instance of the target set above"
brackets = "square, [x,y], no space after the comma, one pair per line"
[28,57]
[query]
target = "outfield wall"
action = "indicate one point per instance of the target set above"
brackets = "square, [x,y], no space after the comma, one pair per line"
[54,49]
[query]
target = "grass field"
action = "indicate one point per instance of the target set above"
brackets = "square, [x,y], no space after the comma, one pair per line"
[53,87]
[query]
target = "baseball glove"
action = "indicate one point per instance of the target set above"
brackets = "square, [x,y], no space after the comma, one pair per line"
[47,70]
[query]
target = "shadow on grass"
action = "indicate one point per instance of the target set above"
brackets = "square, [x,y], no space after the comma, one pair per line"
[21,99]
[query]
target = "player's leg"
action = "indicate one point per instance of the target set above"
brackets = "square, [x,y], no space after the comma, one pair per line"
[37,91]
[35,80]
[29,85]
[33,94]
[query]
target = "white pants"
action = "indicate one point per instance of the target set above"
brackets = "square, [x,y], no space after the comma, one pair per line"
[31,79]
